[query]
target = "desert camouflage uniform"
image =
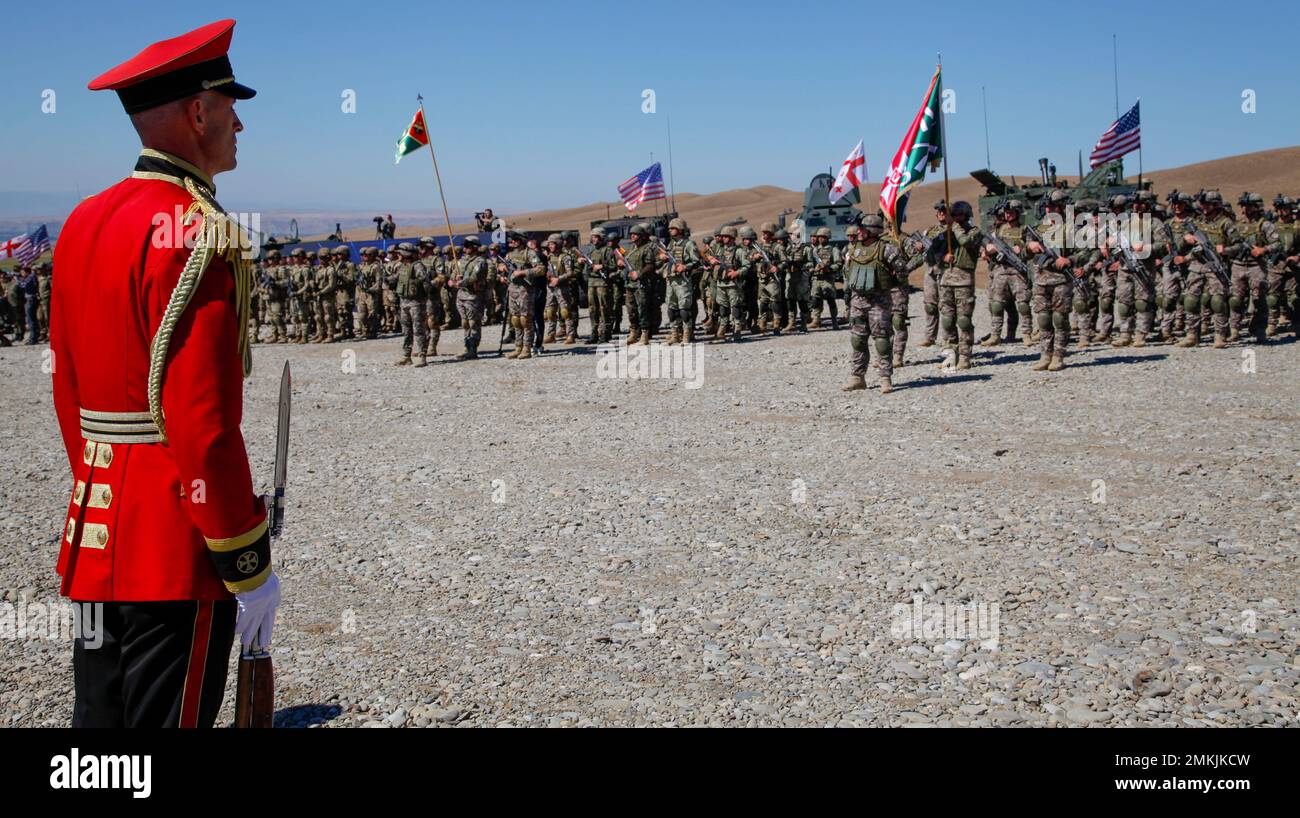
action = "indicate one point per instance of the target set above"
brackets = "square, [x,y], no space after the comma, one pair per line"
[825,261]
[871,270]
[681,287]
[409,280]
[957,291]
[600,291]
[528,271]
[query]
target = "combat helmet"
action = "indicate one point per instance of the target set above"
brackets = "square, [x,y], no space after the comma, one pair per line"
[782,234]
[342,250]
[824,232]
[1212,197]
[961,210]
[729,230]
[323,252]
[872,224]
[554,238]
[272,254]
[679,224]
[852,232]
[406,247]
[472,241]
[748,233]
[767,227]
[298,252]
[640,230]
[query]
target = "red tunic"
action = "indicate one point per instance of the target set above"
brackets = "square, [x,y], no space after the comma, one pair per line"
[150,520]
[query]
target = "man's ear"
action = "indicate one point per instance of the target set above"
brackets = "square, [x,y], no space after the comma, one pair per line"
[196,110]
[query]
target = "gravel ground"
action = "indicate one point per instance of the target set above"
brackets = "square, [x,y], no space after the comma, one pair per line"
[528,544]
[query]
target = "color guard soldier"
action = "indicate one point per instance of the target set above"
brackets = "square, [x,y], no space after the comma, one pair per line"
[163,526]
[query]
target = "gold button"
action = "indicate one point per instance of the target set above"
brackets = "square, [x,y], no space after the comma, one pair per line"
[108,456]
[79,492]
[102,536]
[72,529]
[88,453]
[108,496]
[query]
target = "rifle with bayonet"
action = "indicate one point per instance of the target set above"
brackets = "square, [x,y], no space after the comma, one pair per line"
[255,680]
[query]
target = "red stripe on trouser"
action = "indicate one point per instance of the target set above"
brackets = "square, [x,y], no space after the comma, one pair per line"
[193,693]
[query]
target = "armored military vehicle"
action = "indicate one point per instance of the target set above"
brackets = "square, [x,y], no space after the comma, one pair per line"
[1102,183]
[621,227]
[819,212]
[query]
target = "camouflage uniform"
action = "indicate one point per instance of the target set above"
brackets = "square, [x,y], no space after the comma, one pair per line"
[1174,314]
[409,279]
[391,302]
[346,273]
[447,293]
[1008,288]
[769,272]
[326,282]
[798,282]
[899,297]
[370,278]
[561,311]
[930,281]
[1053,297]
[1281,273]
[470,279]
[275,291]
[825,260]
[600,292]
[302,298]
[1134,292]
[434,311]
[1250,271]
[681,273]
[872,268]
[957,284]
[643,259]
[727,290]
[527,270]
[17,299]
[1220,231]
[748,261]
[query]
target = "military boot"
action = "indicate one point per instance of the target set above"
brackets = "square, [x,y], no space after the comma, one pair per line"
[550,337]
[525,352]
[898,360]
[886,385]
[1104,338]
[835,322]
[1123,340]
[963,360]
[469,354]
[1031,338]
[571,339]
[1085,338]
[676,337]
[1139,339]
[762,325]
[1166,335]
[1192,339]
[1233,336]
[1057,364]
[689,337]
[420,360]
[517,350]
[790,324]
[720,333]
[1043,361]
[645,337]
[993,340]
[854,383]
[1270,329]
[633,335]
[404,361]
[1220,342]
[926,342]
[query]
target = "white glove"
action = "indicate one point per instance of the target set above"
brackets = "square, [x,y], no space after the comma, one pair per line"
[256,617]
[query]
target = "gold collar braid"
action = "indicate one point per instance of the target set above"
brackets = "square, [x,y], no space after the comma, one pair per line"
[223,236]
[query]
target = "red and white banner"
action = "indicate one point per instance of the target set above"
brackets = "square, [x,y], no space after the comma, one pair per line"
[852,173]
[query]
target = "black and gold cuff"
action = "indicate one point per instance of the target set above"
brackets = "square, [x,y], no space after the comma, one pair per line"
[243,562]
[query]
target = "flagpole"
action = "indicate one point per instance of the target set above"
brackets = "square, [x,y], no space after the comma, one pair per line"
[943,141]
[446,214]
[1139,102]
[672,187]
[1114,50]
[988,162]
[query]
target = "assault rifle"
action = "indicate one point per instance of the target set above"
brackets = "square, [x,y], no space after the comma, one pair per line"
[1210,256]
[927,244]
[1132,262]
[1085,286]
[1007,255]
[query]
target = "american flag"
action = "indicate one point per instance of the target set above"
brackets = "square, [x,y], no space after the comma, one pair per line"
[1124,135]
[27,247]
[646,186]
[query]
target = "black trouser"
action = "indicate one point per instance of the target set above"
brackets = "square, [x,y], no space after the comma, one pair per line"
[539,313]
[157,664]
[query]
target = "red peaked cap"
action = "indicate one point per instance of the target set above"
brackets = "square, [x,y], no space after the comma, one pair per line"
[174,69]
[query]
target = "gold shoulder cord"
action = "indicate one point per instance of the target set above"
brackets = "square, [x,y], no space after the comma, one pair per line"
[217,237]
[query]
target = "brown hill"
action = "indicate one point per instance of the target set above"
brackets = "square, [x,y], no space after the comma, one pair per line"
[1266,172]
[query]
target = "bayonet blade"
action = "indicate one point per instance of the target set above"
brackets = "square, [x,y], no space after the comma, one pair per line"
[281,472]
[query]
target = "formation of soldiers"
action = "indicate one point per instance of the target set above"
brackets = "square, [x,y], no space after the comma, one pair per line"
[1205,274]
[25,308]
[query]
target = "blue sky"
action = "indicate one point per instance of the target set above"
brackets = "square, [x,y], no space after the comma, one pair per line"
[535,106]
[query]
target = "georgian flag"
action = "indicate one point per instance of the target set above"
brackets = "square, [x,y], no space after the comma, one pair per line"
[852,173]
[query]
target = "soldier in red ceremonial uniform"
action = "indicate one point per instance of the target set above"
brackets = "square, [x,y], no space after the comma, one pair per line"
[150,345]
